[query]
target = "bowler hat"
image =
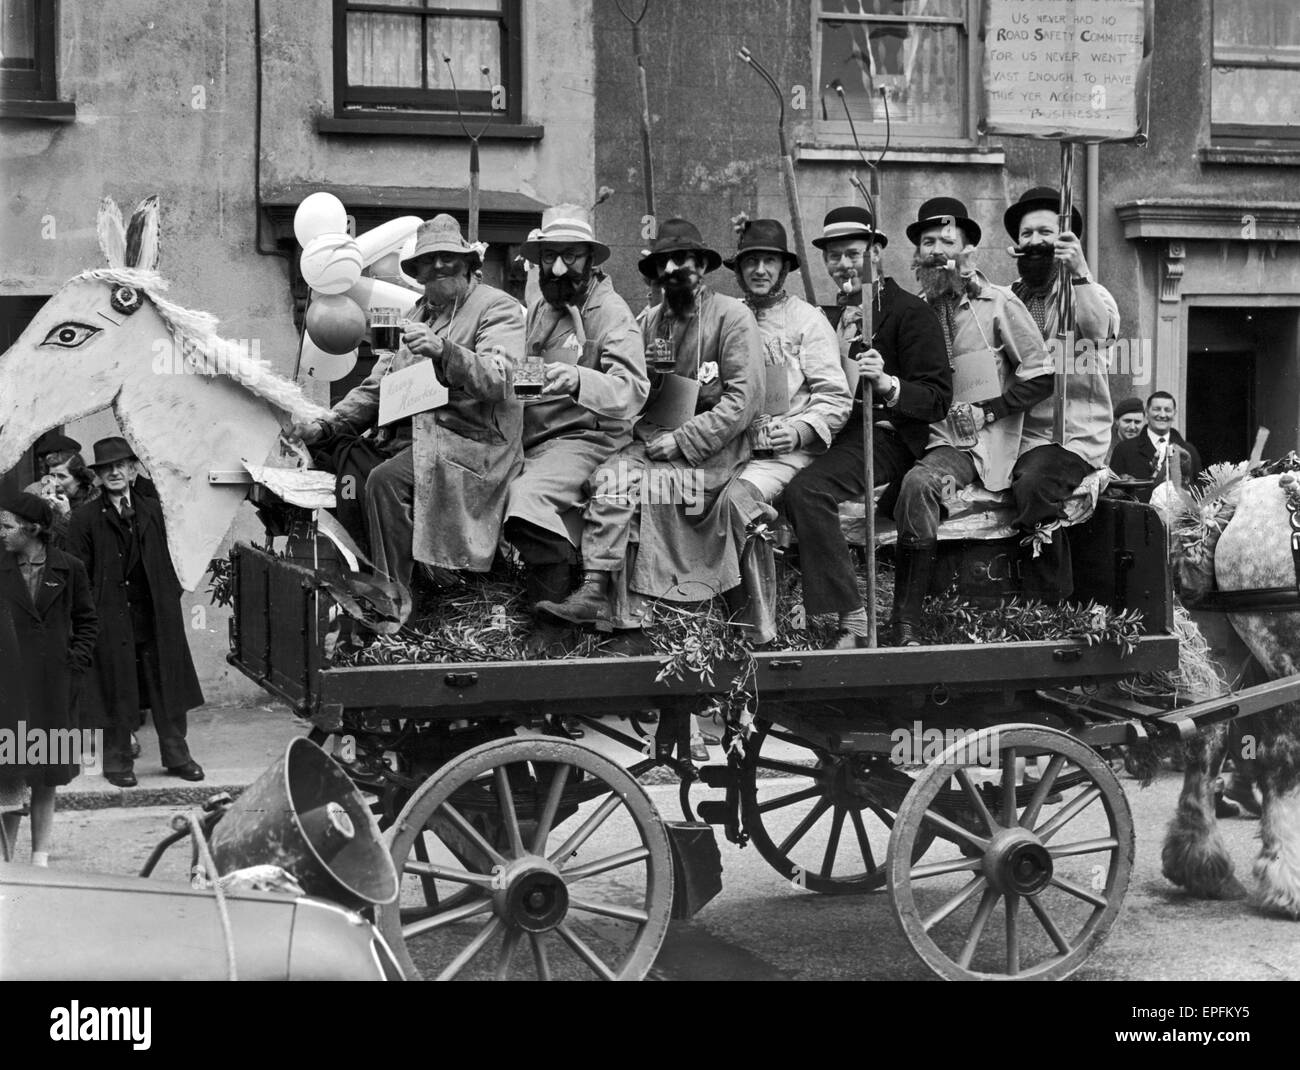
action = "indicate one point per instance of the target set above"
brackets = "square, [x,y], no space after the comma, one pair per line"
[763,236]
[850,221]
[938,211]
[1128,405]
[565,224]
[678,236]
[55,442]
[29,507]
[441,234]
[1037,199]
[108,450]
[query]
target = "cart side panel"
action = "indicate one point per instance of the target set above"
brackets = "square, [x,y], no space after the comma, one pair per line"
[1121,559]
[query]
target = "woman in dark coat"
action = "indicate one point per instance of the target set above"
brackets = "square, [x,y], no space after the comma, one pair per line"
[49,616]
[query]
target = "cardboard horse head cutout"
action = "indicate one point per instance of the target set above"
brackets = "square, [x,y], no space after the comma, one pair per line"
[189,401]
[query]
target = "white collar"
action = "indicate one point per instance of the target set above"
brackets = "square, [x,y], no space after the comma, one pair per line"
[1155,436]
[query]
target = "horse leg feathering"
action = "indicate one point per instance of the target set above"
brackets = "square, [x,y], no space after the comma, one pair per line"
[1194,856]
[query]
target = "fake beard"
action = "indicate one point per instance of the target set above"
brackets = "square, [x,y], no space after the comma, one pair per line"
[564,290]
[935,278]
[679,289]
[1035,264]
[443,290]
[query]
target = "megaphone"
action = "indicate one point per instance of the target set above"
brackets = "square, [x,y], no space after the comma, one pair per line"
[304,815]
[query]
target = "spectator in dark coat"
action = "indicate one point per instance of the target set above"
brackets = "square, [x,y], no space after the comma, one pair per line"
[49,625]
[1150,454]
[142,658]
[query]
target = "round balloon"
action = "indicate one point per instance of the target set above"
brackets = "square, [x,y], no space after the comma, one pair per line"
[326,367]
[320,213]
[336,323]
[331,263]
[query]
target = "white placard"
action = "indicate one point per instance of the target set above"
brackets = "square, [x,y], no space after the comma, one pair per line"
[411,390]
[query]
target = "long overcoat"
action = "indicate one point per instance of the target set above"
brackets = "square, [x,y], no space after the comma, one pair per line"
[565,438]
[97,535]
[466,452]
[44,657]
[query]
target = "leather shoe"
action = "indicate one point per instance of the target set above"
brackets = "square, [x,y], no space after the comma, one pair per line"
[191,770]
[902,634]
[121,780]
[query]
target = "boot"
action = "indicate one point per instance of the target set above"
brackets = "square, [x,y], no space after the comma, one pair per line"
[548,583]
[914,566]
[587,605]
[752,605]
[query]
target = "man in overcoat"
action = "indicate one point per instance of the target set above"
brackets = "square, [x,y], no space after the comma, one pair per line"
[142,656]
[1150,453]
[440,499]
[594,388]
[687,447]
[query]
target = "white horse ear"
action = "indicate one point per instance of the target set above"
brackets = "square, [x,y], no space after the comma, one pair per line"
[112,234]
[142,236]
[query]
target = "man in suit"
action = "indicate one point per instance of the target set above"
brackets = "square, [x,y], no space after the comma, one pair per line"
[904,366]
[1150,454]
[142,658]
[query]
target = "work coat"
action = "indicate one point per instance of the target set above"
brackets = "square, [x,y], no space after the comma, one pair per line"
[466,452]
[567,437]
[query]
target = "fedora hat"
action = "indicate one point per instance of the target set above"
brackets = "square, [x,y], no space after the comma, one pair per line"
[850,221]
[1037,199]
[108,450]
[441,234]
[940,210]
[678,236]
[55,442]
[565,224]
[763,236]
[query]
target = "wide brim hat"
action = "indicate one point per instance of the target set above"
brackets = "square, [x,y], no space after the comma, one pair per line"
[850,221]
[27,506]
[565,224]
[1038,199]
[763,236]
[108,450]
[441,234]
[55,442]
[940,210]
[1129,405]
[677,236]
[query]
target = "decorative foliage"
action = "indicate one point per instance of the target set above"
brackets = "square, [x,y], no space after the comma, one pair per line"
[1202,515]
[1197,677]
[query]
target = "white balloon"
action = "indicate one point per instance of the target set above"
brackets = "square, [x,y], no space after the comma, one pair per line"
[326,367]
[408,251]
[376,293]
[387,237]
[331,263]
[319,213]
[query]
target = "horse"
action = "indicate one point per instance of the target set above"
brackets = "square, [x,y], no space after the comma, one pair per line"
[1253,553]
[188,401]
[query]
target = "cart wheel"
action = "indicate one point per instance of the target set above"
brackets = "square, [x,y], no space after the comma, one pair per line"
[1058,872]
[853,804]
[573,878]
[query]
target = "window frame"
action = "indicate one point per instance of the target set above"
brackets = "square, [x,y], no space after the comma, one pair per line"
[834,130]
[398,102]
[41,83]
[1236,57]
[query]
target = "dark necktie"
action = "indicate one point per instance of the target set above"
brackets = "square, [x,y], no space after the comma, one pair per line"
[127,513]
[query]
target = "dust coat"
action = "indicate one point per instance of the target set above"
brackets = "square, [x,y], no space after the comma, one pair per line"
[47,651]
[566,438]
[111,696]
[466,452]
[686,548]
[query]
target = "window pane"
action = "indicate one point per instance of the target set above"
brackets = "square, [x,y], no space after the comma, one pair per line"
[1255,95]
[922,69]
[475,5]
[1263,23]
[471,44]
[949,8]
[383,50]
[18,35]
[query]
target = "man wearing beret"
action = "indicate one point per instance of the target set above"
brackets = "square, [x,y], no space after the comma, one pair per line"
[687,446]
[1130,418]
[439,499]
[142,657]
[1054,460]
[904,366]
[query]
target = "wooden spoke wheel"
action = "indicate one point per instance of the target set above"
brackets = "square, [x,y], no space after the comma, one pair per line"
[827,826]
[1017,888]
[529,858]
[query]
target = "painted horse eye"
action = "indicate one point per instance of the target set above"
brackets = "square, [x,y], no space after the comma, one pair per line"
[69,335]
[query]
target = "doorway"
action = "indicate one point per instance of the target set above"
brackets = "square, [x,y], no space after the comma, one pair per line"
[15,314]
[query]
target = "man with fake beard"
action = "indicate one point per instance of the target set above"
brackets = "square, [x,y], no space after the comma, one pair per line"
[1001,369]
[1053,462]
[439,500]
[687,446]
[595,384]
[904,366]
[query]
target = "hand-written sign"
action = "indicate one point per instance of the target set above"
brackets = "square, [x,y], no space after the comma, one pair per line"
[411,390]
[1066,68]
